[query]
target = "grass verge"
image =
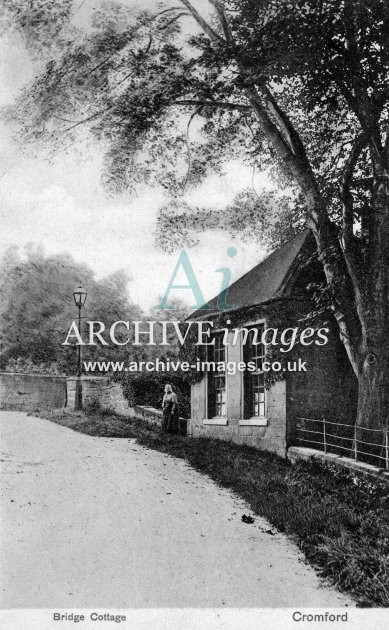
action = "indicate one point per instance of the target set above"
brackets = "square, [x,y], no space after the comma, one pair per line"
[338,519]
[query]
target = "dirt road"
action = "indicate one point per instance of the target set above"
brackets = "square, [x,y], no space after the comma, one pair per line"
[99,522]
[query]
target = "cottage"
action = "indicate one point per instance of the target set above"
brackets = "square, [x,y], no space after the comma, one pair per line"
[262,409]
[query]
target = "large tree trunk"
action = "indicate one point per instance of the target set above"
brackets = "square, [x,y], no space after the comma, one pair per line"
[361,304]
[373,390]
[358,274]
[373,373]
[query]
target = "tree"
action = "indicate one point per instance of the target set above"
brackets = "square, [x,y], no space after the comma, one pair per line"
[37,309]
[300,88]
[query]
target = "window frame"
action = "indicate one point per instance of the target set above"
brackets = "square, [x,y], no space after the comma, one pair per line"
[251,419]
[215,352]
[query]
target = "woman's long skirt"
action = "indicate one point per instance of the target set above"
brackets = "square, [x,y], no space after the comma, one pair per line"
[170,419]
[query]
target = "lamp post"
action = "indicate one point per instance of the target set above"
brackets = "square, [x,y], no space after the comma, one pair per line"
[79,296]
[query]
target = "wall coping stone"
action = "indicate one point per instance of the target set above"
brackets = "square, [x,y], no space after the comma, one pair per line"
[33,375]
[301,453]
[88,378]
[158,412]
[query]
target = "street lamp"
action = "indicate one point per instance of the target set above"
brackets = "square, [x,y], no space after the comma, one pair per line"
[79,298]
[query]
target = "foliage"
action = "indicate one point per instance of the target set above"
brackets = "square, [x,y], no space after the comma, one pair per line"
[180,224]
[37,309]
[41,22]
[297,90]
[129,79]
[147,388]
[339,519]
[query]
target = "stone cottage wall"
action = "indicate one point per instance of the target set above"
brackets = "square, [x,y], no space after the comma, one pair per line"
[328,388]
[270,437]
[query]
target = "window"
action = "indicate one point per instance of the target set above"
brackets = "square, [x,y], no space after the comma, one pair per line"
[217,393]
[254,382]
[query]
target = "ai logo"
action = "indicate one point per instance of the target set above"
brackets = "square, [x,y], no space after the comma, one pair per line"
[184,263]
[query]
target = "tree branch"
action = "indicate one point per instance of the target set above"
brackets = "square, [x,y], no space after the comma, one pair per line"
[299,169]
[85,120]
[347,199]
[355,88]
[222,104]
[141,53]
[387,139]
[349,246]
[167,11]
[172,20]
[223,20]
[324,230]
[253,184]
[128,76]
[212,34]
[148,45]
[286,125]
[115,52]
[102,112]
[346,339]
[198,111]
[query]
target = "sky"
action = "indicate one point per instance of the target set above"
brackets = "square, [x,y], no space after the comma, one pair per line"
[63,206]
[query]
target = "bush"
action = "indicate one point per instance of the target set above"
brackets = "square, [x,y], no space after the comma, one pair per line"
[148,389]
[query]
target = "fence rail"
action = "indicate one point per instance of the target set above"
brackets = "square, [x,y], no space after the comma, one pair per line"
[370,446]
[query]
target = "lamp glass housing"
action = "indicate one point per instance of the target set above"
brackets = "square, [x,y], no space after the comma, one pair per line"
[79,296]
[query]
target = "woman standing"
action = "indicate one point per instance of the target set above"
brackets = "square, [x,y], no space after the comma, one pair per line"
[170,416]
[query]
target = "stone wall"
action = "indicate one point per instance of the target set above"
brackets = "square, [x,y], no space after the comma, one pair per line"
[311,455]
[154,416]
[328,388]
[27,392]
[150,414]
[99,391]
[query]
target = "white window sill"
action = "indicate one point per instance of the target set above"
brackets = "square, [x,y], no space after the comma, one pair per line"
[253,422]
[217,420]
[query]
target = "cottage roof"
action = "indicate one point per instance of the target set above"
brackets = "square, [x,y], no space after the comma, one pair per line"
[267,280]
